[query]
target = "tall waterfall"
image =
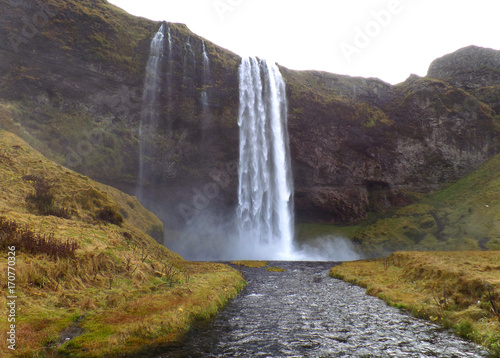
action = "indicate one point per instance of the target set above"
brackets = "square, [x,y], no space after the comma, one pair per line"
[149,112]
[265,192]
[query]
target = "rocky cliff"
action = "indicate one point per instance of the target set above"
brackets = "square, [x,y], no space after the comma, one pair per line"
[72,75]
[363,145]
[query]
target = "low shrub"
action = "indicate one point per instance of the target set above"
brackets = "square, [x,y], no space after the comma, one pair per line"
[110,215]
[27,241]
[43,201]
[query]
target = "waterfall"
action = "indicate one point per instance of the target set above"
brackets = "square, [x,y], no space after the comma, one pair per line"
[206,76]
[265,190]
[189,69]
[207,82]
[170,67]
[169,38]
[149,112]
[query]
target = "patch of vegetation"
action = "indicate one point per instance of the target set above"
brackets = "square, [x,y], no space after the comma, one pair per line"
[460,290]
[26,240]
[258,264]
[249,263]
[110,215]
[42,201]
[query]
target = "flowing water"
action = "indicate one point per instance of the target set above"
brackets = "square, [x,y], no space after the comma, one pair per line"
[207,82]
[170,70]
[189,69]
[302,312]
[265,199]
[149,112]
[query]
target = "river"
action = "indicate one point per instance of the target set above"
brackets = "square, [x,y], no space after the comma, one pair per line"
[303,312]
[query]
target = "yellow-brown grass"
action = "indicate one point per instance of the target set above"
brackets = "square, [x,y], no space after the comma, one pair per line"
[123,290]
[451,288]
[250,263]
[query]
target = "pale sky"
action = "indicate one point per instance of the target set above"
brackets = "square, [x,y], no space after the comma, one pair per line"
[388,39]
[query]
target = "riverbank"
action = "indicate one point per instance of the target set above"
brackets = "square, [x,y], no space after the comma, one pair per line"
[454,289]
[86,278]
[301,312]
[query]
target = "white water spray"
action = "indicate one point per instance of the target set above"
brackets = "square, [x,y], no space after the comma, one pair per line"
[264,216]
[149,112]
[265,191]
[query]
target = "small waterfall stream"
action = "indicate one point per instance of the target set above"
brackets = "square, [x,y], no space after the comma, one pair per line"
[207,82]
[265,191]
[170,59]
[189,69]
[149,112]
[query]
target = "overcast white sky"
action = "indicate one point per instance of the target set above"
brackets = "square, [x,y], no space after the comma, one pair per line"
[388,39]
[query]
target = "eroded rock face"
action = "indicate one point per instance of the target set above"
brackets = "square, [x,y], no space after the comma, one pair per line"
[470,67]
[358,145]
[368,146]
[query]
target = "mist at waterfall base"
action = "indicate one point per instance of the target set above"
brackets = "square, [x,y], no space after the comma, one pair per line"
[260,226]
[212,235]
[263,226]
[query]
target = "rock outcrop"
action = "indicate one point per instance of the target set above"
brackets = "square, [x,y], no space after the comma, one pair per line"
[72,77]
[362,145]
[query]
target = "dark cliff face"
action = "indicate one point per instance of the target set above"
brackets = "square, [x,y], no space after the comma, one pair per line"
[72,74]
[74,85]
[362,145]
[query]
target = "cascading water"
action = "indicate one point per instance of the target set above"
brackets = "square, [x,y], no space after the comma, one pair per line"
[206,76]
[170,66]
[169,38]
[207,82]
[149,112]
[265,192]
[189,70]
[265,221]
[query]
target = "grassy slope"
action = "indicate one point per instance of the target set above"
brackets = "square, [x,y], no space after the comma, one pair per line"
[123,290]
[463,216]
[450,288]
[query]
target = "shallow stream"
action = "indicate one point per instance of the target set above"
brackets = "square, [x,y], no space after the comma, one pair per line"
[304,313]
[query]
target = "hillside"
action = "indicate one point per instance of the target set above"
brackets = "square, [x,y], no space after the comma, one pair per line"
[90,281]
[463,216]
[359,146]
